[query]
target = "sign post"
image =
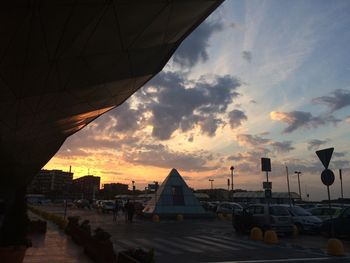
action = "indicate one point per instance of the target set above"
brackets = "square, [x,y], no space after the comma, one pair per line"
[266,167]
[327,176]
[341,187]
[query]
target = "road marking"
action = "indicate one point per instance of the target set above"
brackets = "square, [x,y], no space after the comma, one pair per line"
[249,242]
[211,243]
[158,246]
[179,245]
[196,244]
[230,242]
[277,260]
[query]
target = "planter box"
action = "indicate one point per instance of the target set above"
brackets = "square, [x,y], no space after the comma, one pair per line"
[78,235]
[123,257]
[101,252]
[13,254]
[38,227]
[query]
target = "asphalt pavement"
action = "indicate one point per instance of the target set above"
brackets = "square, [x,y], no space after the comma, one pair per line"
[203,240]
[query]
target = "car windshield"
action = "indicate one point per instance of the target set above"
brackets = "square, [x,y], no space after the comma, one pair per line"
[279,211]
[298,211]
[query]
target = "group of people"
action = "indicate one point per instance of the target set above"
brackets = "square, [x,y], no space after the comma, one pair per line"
[128,209]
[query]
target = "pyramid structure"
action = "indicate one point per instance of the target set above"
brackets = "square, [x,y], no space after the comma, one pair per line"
[174,197]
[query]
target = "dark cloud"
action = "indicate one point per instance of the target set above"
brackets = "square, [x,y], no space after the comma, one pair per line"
[338,164]
[175,106]
[127,119]
[236,117]
[302,119]
[162,156]
[209,125]
[337,99]
[194,48]
[282,147]
[247,55]
[251,140]
[339,154]
[315,144]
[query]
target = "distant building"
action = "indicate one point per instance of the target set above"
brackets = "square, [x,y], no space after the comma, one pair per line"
[87,186]
[217,194]
[113,189]
[53,183]
[116,187]
[258,197]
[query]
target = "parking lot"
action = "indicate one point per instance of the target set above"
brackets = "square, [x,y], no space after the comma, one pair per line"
[201,240]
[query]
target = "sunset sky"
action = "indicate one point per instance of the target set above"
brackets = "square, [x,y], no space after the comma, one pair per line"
[256,79]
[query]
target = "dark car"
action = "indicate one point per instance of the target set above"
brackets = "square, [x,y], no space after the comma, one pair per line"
[341,224]
[276,218]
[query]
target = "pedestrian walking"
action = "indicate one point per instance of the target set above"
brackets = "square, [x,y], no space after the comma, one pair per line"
[115,211]
[126,210]
[131,211]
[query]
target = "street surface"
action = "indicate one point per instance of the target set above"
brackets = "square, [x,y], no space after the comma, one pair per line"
[203,240]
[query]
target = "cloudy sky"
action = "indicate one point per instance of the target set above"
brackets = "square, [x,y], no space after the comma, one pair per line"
[256,79]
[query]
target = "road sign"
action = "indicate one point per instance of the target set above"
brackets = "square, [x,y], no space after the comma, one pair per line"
[325,156]
[268,193]
[265,164]
[327,177]
[267,185]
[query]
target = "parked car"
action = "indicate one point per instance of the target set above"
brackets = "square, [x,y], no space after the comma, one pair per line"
[325,213]
[228,208]
[304,220]
[341,224]
[212,206]
[277,218]
[107,206]
[307,205]
[82,203]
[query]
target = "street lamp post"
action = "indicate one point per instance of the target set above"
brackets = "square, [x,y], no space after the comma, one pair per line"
[133,189]
[298,173]
[211,183]
[232,168]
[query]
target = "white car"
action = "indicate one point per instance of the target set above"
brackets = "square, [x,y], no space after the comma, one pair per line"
[304,220]
[228,208]
[107,206]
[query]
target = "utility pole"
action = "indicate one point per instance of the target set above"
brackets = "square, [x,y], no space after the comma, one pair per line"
[290,200]
[298,173]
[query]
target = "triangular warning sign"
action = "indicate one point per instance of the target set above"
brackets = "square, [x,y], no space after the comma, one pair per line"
[325,156]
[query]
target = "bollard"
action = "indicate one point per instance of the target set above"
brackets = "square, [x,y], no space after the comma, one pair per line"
[295,231]
[229,217]
[270,237]
[335,247]
[155,218]
[256,234]
[221,216]
[179,218]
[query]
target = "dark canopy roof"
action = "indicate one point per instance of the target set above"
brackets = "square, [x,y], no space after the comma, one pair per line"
[64,63]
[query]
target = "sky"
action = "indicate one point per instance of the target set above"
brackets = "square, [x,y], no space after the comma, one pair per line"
[255,79]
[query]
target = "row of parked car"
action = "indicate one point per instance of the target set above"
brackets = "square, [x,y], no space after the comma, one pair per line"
[282,218]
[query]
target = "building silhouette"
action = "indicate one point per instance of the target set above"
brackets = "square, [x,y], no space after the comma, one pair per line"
[86,187]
